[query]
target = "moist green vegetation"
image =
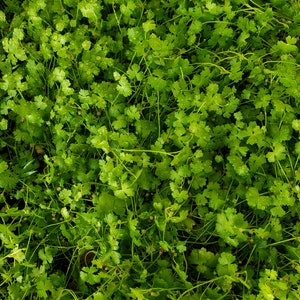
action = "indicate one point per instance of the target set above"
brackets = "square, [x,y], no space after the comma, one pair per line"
[150,150]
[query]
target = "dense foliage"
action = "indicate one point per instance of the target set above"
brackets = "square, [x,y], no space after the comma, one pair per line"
[149,150]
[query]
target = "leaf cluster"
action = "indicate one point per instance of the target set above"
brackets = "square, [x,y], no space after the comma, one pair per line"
[149,150]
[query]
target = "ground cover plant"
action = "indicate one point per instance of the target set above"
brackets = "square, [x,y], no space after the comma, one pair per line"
[149,149]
